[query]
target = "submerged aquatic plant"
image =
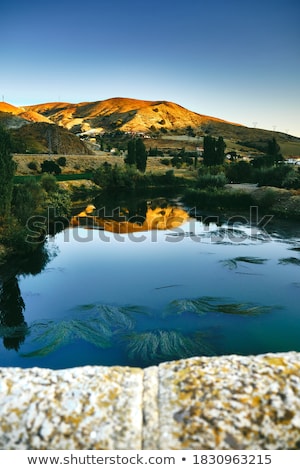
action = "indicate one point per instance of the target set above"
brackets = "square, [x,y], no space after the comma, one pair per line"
[162,345]
[114,317]
[52,335]
[204,305]
[93,323]
[200,305]
[233,262]
[291,260]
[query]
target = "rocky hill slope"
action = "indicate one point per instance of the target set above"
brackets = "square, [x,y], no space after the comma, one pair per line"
[124,114]
[156,118]
[32,132]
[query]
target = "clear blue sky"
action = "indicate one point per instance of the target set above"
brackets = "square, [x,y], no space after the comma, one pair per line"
[236,60]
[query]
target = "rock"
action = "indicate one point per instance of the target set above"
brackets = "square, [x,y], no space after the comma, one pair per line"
[227,402]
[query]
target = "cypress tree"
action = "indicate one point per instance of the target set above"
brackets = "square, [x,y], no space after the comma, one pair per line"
[220,151]
[131,153]
[141,155]
[209,150]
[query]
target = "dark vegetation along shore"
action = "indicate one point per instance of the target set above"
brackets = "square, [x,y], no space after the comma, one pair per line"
[212,178]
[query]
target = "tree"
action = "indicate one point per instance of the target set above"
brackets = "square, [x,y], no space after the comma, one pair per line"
[214,151]
[136,154]
[49,166]
[273,152]
[7,170]
[220,151]
[141,155]
[131,153]
[27,200]
[208,150]
[271,157]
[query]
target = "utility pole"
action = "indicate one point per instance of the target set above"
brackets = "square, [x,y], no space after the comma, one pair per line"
[49,142]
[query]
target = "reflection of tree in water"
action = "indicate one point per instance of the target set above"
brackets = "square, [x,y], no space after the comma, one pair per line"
[12,324]
[13,327]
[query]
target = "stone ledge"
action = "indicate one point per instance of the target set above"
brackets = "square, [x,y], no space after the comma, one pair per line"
[227,402]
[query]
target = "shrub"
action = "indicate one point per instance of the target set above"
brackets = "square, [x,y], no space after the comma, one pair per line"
[218,199]
[240,172]
[292,180]
[211,181]
[61,161]
[49,183]
[268,198]
[32,166]
[28,199]
[49,166]
[165,161]
[273,176]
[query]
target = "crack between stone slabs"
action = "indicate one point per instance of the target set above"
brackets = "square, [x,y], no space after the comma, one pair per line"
[150,409]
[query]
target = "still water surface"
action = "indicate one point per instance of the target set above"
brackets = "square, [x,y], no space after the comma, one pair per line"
[142,297]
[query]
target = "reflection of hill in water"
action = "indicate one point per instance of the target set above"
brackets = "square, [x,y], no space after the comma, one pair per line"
[121,221]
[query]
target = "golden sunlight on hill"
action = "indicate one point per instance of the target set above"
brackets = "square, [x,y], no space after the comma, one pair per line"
[125,114]
[9,108]
[31,116]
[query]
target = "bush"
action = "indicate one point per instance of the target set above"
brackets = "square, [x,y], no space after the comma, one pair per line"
[49,183]
[211,181]
[61,161]
[49,166]
[218,199]
[165,161]
[32,166]
[28,200]
[113,177]
[61,201]
[268,198]
[274,176]
[292,180]
[240,172]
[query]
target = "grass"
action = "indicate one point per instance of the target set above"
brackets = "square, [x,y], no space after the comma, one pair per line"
[61,177]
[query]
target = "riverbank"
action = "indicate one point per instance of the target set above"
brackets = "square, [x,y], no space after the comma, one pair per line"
[280,202]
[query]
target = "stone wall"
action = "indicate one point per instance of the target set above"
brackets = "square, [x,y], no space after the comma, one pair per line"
[228,402]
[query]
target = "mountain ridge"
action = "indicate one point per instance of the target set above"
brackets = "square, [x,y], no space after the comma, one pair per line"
[125,114]
[154,119]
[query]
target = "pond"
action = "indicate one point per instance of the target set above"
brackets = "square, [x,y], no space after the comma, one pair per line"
[151,281]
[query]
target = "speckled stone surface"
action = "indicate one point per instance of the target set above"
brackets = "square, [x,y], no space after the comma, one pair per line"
[228,402]
[80,408]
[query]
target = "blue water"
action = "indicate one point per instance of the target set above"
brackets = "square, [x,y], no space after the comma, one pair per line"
[143,298]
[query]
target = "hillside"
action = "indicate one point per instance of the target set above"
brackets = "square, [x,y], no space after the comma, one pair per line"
[18,116]
[128,115]
[158,118]
[41,137]
[33,132]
